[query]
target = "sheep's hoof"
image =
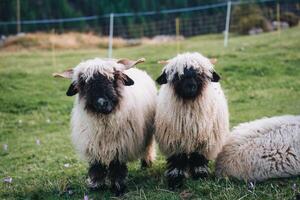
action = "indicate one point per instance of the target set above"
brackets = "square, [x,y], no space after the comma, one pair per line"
[94,185]
[118,188]
[145,164]
[175,178]
[250,185]
[199,172]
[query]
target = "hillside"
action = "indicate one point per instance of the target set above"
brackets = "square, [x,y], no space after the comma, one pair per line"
[260,76]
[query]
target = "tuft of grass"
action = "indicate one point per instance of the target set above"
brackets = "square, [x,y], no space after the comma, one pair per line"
[260,76]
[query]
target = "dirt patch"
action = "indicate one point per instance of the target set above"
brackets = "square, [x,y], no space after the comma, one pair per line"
[74,40]
[162,39]
[70,40]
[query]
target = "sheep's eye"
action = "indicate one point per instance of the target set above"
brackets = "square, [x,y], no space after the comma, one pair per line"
[199,75]
[81,81]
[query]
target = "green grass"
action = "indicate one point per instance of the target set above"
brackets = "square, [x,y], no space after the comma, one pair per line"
[260,76]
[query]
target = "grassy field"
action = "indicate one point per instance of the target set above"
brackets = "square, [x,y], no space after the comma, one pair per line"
[260,76]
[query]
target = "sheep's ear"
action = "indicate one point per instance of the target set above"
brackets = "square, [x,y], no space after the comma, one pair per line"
[130,63]
[126,80]
[215,77]
[65,74]
[72,89]
[162,79]
[213,61]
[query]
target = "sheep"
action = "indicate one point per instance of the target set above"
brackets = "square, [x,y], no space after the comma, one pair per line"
[191,119]
[112,118]
[262,149]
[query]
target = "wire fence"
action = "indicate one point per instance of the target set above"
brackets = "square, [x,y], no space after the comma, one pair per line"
[243,17]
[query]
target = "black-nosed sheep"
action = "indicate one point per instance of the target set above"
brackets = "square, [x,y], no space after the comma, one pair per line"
[262,149]
[191,116]
[112,118]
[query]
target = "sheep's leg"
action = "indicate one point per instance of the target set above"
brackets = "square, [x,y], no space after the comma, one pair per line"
[176,167]
[117,173]
[96,175]
[150,154]
[198,166]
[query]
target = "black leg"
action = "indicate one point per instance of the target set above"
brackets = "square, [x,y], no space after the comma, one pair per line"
[96,175]
[117,173]
[251,185]
[145,164]
[176,167]
[198,166]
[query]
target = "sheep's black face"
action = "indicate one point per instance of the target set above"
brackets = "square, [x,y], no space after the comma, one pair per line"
[190,84]
[100,93]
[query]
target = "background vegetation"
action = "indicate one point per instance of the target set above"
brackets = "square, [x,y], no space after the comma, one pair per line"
[260,76]
[244,17]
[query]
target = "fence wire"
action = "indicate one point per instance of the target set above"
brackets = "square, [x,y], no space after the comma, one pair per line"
[193,21]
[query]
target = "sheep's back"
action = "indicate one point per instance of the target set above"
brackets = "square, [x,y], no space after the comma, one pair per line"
[143,90]
[262,149]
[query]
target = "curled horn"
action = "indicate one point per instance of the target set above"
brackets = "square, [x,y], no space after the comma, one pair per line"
[213,61]
[130,63]
[163,62]
[65,74]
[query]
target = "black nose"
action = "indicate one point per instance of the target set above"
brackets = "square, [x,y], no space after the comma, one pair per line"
[192,87]
[189,90]
[102,103]
[103,106]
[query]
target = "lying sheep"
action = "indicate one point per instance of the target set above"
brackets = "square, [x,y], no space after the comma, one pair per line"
[191,116]
[112,118]
[262,149]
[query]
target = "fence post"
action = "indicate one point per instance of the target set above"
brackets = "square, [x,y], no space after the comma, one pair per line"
[227,23]
[111,34]
[53,49]
[177,24]
[18,17]
[278,17]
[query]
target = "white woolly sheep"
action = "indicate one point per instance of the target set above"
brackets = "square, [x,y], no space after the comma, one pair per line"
[262,149]
[112,118]
[191,116]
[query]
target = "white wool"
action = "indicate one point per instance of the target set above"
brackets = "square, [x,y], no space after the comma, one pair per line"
[89,67]
[193,60]
[127,132]
[262,149]
[200,125]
